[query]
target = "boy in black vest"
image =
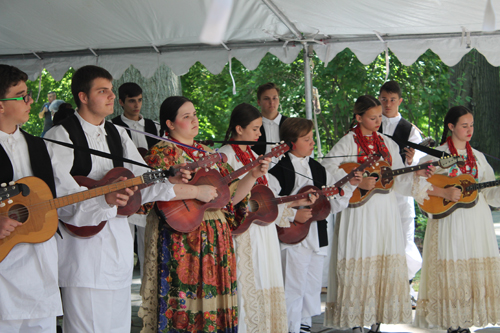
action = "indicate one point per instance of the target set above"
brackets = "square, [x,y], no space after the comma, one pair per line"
[30,299]
[402,130]
[95,274]
[130,99]
[268,99]
[303,262]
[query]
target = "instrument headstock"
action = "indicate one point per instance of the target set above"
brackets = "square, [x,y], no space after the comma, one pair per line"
[279,150]
[448,161]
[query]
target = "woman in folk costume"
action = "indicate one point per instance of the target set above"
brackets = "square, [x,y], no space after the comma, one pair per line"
[368,282]
[460,285]
[261,297]
[189,280]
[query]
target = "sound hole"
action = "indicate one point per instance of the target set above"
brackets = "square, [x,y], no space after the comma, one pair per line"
[253,206]
[19,213]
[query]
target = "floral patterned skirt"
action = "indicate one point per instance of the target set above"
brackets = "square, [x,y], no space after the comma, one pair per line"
[197,279]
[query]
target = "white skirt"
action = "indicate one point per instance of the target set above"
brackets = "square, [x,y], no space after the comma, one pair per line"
[368,274]
[261,296]
[460,283]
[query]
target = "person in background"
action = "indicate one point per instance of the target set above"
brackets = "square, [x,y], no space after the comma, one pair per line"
[46,114]
[268,99]
[130,99]
[402,130]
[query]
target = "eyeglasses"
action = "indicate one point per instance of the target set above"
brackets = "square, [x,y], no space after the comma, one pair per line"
[25,98]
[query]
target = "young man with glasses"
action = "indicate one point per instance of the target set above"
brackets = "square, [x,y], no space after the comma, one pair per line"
[30,299]
[401,129]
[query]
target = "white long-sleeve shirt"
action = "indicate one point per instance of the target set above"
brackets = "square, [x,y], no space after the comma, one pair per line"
[406,205]
[337,202]
[104,261]
[28,274]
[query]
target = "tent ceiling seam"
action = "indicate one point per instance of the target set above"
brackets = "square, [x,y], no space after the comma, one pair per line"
[286,21]
[235,46]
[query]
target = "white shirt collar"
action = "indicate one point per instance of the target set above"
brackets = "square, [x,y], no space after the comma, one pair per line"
[5,136]
[392,120]
[300,159]
[275,120]
[91,130]
[131,122]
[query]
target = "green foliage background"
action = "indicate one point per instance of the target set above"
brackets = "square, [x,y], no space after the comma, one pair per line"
[61,88]
[425,86]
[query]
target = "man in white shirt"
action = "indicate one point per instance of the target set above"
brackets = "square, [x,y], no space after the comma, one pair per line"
[268,100]
[29,292]
[402,130]
[130,99]
[95,273]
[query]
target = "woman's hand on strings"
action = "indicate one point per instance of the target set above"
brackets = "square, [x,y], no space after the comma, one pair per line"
[182,176]
[261,169]
[206,193]
[367,183]
[356,180]
[427,172]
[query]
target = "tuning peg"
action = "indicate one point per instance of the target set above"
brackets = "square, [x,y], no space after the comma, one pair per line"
[323,186]
[12,183]
[2,204]
[10,201]
[376,164]
[3,185]
[206,169]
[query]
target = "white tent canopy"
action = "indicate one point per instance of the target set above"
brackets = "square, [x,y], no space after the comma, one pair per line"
[58,34]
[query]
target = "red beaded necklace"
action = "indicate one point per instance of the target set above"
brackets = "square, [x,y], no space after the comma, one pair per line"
[378,145]
[246,158]
[470,163]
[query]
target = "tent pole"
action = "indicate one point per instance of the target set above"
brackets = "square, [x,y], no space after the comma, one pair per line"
[307,81]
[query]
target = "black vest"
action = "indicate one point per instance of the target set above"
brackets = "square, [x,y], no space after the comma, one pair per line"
[401,135]
[284,173]
[261,149]
[149,127]
[39,160]
[82,164]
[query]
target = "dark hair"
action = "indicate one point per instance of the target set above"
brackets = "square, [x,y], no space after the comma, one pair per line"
[363,104]
[129,89]
[242,115]
[265,87]
[391,87]
[52,93]
[169,109]
[83,78]
[452,117]
[294,128]
[10,76]
[65,110]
